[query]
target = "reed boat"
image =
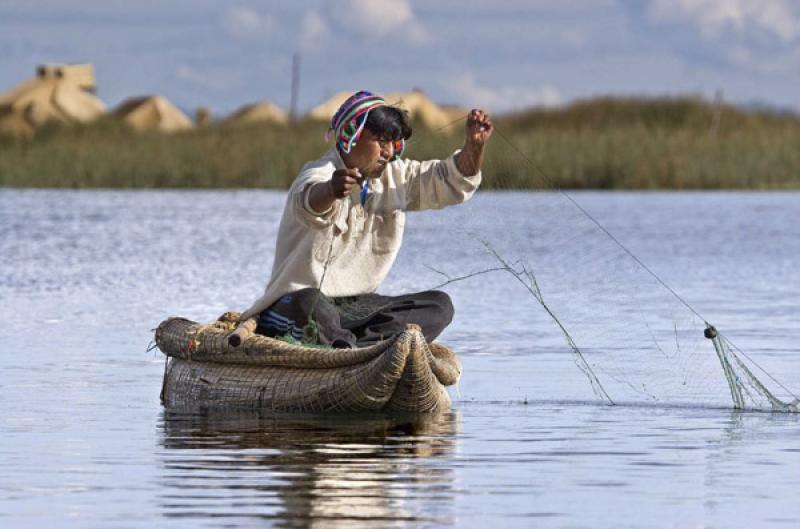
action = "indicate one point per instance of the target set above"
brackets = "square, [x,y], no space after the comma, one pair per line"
[226,365]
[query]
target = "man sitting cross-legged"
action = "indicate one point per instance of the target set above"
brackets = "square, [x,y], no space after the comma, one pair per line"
[342,228]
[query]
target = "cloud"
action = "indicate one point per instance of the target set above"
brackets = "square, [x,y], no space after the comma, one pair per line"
[314,31]
[759,37]
[246,22]
[573,37]
[717,17]
[209,80]
[504,98]
[381,18]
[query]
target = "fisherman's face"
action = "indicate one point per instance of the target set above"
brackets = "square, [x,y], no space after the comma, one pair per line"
[370,154]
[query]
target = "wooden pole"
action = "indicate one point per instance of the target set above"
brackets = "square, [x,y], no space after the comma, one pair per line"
[716,113]
[244,331]
[295,87]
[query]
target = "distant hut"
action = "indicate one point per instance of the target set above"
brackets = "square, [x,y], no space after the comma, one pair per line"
[325,110]
[81,75]
[261,112]
[418,105]
[202,117]
[152,113]
[454,112]
[63,93]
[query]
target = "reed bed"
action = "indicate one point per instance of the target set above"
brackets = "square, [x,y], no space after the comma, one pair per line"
[681,143]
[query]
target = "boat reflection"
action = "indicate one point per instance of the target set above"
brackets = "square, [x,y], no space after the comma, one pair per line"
[308,471]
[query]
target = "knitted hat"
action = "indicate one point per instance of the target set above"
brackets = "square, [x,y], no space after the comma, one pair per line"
[348,122]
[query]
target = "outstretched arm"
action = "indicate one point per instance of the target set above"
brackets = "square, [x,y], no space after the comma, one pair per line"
[479,129]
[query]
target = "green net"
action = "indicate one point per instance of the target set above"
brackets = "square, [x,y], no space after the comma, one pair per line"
[627,330]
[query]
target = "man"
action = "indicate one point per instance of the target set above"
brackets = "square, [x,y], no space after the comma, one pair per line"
[343,223]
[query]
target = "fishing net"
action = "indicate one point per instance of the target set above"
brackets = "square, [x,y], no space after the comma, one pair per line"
[590,298]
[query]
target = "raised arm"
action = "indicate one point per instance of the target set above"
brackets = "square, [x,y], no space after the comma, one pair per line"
[436,184]
[479,128]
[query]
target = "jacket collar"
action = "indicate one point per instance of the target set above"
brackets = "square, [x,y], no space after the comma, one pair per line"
[336,157]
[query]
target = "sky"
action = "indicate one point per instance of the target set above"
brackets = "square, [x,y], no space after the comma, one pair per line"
[498,55]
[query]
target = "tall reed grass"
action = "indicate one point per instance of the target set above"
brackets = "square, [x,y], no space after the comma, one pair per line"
[683,143]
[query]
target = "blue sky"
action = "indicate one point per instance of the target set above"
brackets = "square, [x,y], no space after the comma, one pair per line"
[500,55]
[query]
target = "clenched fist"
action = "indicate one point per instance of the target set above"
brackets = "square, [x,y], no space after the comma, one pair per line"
[479,127]
[343,181]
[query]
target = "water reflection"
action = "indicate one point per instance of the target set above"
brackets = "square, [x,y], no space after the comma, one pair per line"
[308,471]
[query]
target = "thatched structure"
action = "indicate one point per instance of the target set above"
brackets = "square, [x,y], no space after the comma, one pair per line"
[454,112]
[202,117]
[261,112]
[205,369]
[61,93]
[419,106]
[152,113]
[81,75]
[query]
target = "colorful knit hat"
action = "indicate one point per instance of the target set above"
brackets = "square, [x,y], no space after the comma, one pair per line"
[348,122]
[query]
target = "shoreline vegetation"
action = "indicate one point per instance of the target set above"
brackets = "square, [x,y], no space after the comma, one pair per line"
[605,143]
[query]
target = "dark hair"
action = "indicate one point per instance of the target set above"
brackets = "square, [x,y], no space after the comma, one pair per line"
[389,123]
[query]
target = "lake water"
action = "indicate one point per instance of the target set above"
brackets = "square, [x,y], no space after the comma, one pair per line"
[86,276]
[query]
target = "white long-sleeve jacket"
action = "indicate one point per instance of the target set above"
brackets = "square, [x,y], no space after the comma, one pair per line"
[355,245]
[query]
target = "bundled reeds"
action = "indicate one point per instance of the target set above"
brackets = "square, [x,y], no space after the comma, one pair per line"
[683,143]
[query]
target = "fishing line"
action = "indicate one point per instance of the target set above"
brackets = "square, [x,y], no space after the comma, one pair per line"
[553,186]
[725,348]
[551,183]
[736,381]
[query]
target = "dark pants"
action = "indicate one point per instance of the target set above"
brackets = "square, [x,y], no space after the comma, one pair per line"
[357,320]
